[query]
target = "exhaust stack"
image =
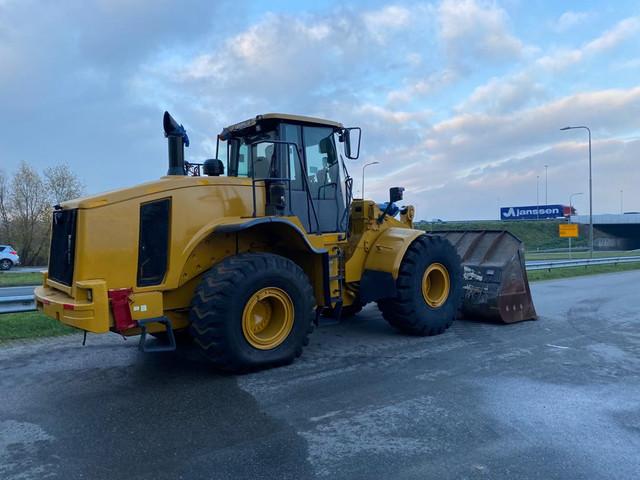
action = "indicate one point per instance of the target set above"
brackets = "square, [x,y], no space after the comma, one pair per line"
[177,139]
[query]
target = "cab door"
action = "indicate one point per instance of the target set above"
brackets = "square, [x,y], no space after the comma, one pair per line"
[317,198]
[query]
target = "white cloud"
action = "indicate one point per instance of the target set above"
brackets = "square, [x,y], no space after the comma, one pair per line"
[610,39]
[380,22]
[622,31]
[473,31]
[422,87]
[569,20]
[325,64]
[500,95]
[473,156]
[452,103]
[478,138]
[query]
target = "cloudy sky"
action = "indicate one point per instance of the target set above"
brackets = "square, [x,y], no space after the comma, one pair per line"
[460,101]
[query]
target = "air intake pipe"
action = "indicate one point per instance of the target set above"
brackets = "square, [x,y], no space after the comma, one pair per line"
[177,139]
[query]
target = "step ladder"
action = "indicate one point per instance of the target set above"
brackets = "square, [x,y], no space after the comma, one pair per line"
[336,278]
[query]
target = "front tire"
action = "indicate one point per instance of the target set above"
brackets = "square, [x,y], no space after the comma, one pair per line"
[253,310]
[428,288]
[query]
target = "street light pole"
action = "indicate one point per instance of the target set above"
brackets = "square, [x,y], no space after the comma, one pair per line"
[621,204]
[538,197]
[571,213]
[363,167]
[590,189]
[546,185]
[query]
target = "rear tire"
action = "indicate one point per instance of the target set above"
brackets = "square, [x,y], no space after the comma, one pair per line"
[426,302]
[253,310]
[6,264]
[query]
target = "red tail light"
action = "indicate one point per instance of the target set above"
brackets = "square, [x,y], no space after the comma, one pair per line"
[13,252]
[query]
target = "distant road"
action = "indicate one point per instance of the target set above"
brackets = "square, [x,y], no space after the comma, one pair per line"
[26,269]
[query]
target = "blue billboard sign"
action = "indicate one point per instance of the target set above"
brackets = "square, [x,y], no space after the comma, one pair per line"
[534,212]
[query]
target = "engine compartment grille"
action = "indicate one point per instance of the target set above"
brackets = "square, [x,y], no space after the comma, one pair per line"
[63,246]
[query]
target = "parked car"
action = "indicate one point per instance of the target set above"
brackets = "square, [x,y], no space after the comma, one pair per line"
[8,257]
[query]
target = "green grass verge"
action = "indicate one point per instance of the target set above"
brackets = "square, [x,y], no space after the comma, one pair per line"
[15,326]
[8,279]
[536,275]
[536,235]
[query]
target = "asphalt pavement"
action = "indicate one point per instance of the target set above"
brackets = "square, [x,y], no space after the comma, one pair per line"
[548,399]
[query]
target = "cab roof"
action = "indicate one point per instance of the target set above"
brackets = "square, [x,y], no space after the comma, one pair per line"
[283,117]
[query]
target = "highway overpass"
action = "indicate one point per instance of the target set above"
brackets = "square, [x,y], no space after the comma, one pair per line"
[612,231]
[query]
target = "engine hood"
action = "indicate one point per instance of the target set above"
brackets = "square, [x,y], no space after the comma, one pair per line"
[164,184]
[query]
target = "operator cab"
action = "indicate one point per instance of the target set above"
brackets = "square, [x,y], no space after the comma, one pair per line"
[300,162]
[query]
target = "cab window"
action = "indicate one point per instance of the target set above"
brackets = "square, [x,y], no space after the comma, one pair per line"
[238,159]
[321,161]
[291,134]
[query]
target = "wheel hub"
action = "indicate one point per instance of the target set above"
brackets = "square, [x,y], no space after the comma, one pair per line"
[267,318]
[436,285]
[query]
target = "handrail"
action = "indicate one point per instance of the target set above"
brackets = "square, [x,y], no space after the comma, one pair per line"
[310,206]
[274,179]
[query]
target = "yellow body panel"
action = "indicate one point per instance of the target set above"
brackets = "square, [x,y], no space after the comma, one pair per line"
[388,250]
[211,219]
[106,254]
[374,245]
[87,314]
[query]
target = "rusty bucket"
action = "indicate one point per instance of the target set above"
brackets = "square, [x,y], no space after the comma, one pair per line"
[495,286]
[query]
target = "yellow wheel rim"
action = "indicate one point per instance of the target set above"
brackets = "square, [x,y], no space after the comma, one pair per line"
[436,285]
[267,318]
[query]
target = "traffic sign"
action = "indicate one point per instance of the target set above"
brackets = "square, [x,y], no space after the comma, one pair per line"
[568,230]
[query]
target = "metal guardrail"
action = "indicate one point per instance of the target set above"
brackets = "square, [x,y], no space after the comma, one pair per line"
[17,303]
[582,262]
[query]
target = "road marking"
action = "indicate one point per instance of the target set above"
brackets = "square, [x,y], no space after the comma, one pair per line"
[326,415]
[556,346]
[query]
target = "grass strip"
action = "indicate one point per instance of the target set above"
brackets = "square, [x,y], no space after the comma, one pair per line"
[16,326]
[12,279]
[566,272]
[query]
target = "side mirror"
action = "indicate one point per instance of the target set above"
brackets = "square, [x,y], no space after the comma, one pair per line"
[351,138]
[213,167]
[395,194]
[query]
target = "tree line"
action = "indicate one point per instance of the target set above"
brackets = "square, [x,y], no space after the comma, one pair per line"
[26,204]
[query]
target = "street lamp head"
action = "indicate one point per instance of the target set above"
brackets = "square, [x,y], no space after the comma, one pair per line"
[577,127]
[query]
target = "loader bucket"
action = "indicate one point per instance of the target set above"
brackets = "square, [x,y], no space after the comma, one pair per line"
[495,285]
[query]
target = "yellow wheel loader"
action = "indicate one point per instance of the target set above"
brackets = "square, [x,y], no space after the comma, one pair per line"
[242,253]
